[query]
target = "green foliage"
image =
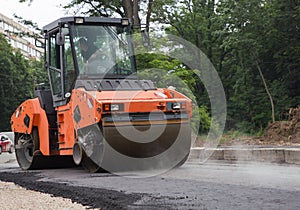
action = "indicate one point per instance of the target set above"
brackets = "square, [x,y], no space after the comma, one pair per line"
[167,72]
[103,8]
[18,79]
[253,27]
[204,119]
[239,36]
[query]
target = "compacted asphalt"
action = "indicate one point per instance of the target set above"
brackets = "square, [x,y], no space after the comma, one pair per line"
[212,185]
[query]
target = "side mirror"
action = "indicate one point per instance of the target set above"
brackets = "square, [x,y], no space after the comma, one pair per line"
[39,43]
[60,38]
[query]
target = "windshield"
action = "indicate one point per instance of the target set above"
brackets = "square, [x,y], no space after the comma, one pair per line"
[102,50]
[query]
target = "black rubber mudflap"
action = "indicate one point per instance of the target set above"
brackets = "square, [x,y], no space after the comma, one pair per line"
[91,140]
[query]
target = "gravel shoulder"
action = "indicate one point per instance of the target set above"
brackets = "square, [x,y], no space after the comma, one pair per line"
[14,197]
[51,195]
[22,190]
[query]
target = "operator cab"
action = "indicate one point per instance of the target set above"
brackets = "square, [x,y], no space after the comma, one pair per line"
[85,50]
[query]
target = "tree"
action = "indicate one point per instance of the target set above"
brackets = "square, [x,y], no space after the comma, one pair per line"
[250,43]
[256,38]
[168,72]
[6,71]
[131,9]
[254,45]
[18,80]
[13,70]
[286,46]
[247,24]
[196,22]
[193,20]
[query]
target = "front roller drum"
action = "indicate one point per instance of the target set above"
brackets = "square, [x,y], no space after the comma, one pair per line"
[169,149]
[27,149]
[117,149]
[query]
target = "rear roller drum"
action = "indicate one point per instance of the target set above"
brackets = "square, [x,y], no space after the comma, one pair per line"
[27,148]
[28,153]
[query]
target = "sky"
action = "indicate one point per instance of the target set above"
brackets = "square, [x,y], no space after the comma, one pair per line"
[41,12]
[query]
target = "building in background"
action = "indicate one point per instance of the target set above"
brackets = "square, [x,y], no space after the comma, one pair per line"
[26,44]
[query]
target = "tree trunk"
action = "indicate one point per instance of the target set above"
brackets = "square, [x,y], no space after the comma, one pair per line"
[149,11]
[131,8]
[136,19]
[128,8]
[266,87]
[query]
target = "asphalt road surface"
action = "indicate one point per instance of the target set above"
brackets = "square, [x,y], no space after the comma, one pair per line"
[213,185]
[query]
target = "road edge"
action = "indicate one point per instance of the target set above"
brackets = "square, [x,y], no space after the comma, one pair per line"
[273,155]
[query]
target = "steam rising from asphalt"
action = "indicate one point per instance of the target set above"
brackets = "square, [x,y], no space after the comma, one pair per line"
[112,160]
[194,58]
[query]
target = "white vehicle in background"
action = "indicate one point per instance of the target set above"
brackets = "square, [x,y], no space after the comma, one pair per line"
[5,144]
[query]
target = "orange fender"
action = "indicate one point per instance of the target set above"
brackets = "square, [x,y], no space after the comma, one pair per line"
[28,115]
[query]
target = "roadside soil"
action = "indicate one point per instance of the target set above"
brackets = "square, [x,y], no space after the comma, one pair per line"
[285,131]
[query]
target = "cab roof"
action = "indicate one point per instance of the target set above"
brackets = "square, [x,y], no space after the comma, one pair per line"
[84,20]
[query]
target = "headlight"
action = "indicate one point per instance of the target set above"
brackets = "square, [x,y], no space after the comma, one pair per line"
[113,107]
[125,22]
[79,20]
[175,106]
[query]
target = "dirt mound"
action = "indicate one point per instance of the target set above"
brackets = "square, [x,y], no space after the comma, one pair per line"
[285,131]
